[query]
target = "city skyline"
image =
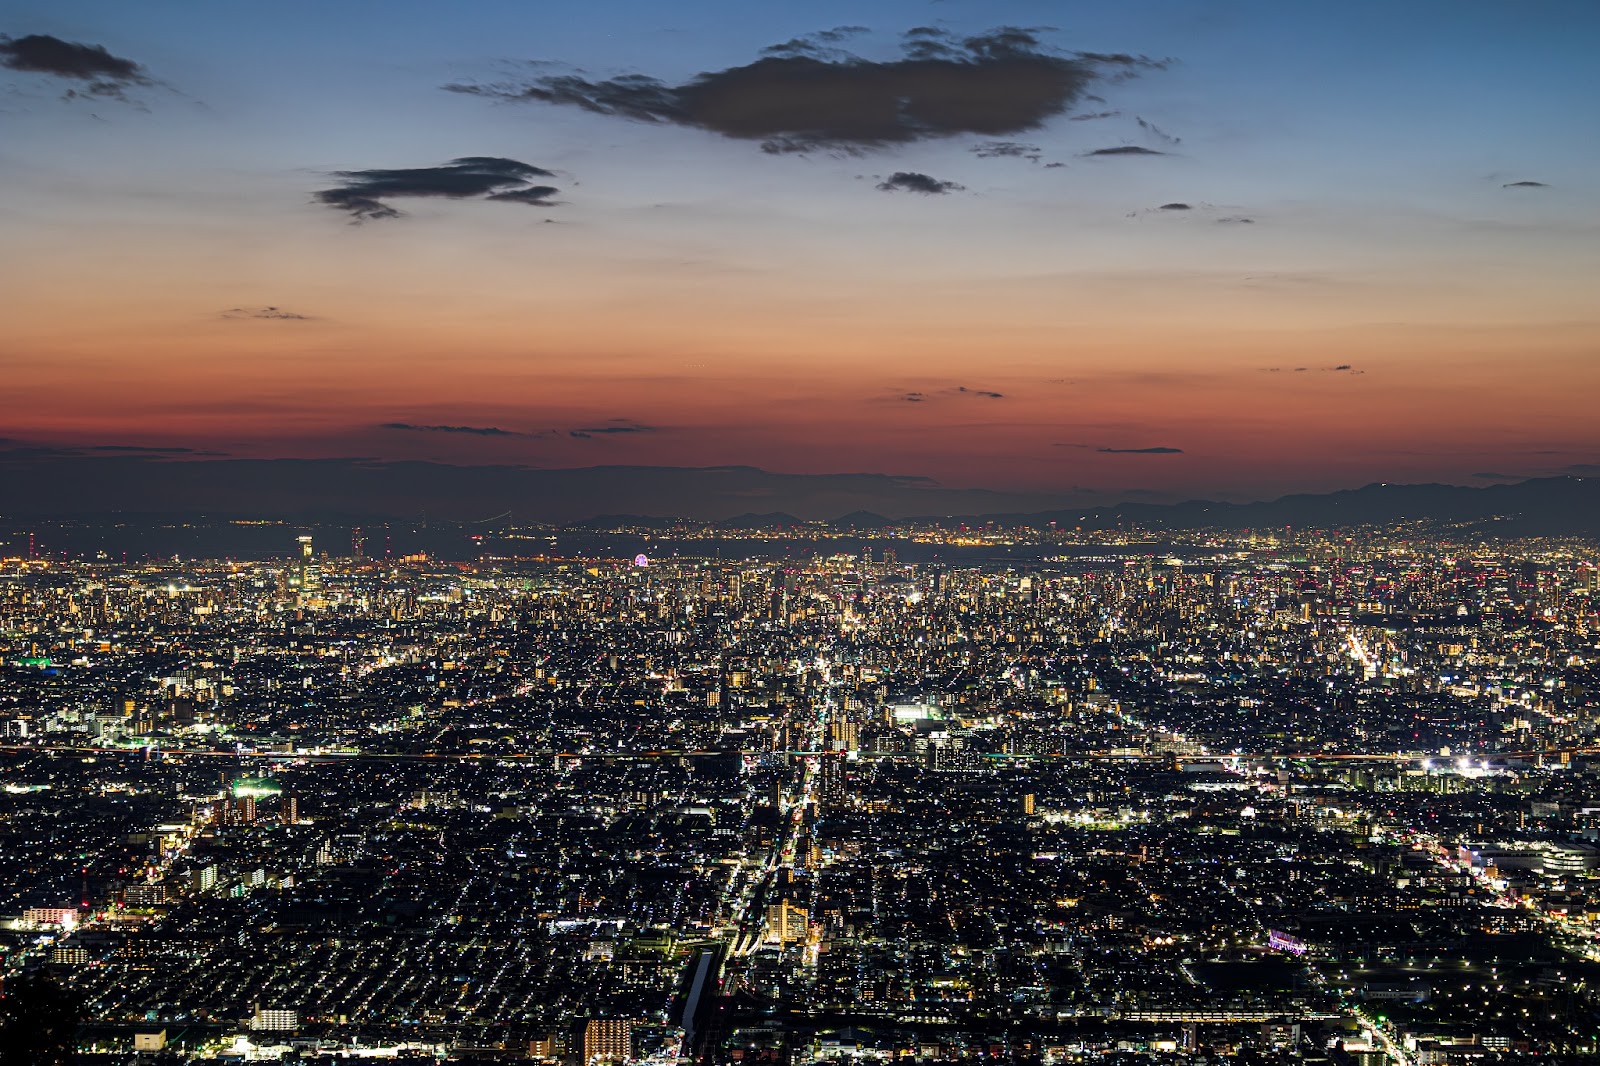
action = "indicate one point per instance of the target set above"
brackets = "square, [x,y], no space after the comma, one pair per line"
[936,532]
[1316,797]
[1111,254]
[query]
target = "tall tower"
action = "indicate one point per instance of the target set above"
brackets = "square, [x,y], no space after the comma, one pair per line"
[306,578]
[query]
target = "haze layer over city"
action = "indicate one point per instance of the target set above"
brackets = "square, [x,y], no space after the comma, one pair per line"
[751,535]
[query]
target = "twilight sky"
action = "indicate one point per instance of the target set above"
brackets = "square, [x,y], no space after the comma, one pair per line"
[1156,250]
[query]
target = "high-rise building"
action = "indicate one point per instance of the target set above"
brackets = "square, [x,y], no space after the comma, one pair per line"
[547,1045]
[306,573]
[607,1040]
[786,923]
[830,768]
[275,1020]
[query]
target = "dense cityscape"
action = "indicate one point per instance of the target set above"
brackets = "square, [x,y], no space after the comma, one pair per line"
[1314,795]
[930,532]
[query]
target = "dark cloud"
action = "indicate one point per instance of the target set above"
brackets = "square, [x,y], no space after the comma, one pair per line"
[29,452]
[615,427]
[911,181]
[948,393]
[1006,150]
[1525,185]
[1125,149]
[1575,470]
[265,312]
[1157,132]
[17,450]
[477,431]
[538,195]
[102,73]
[1342,368]
[1140,451]
[364,193]
[1094,115]
[1197,208]
[808,94]
[820,45]
[1125,60]
[1052,166]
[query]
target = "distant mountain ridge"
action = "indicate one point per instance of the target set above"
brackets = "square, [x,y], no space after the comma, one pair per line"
[862,520]
[1556,506]
[40,482]
[769,520]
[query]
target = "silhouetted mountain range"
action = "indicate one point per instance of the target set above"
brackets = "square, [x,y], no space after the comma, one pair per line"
[750,520]
[1564,506]
[863,520]
[55,482]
